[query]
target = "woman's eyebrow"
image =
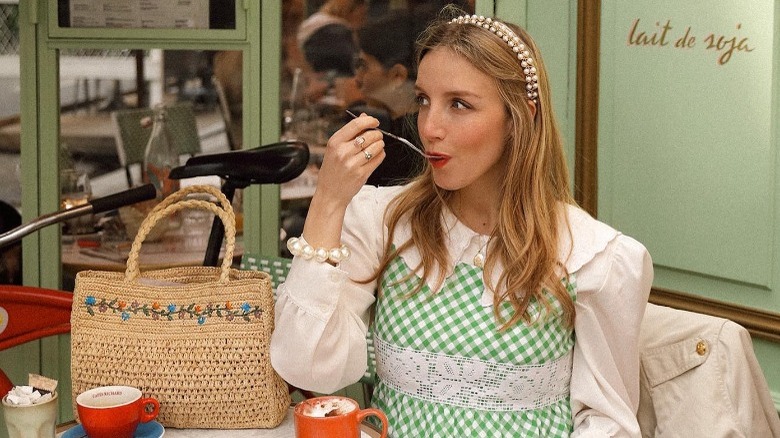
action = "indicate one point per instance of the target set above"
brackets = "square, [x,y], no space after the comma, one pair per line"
[452,93]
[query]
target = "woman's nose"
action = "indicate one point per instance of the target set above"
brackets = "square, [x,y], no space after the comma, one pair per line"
[429,124]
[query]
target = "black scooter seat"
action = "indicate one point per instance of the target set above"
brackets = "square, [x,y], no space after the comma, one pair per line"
[270,164]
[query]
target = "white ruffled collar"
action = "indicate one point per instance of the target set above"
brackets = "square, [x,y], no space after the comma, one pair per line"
[590,237]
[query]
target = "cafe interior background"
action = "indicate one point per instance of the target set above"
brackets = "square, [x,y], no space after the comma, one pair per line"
[669,112]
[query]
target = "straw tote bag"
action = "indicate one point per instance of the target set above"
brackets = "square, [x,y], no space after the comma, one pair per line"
[195,338]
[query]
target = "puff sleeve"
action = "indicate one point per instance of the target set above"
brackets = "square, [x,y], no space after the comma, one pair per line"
[322,313]
[612,292]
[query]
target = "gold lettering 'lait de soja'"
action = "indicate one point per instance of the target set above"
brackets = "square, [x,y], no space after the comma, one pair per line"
[660,35]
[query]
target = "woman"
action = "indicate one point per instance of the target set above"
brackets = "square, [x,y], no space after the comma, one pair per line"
[485,269]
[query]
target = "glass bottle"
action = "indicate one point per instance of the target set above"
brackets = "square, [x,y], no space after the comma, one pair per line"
[160,155]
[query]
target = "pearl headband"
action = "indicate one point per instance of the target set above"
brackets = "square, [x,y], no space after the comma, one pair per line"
[515,44]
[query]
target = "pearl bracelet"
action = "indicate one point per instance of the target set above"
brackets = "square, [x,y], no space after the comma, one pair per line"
[299,247]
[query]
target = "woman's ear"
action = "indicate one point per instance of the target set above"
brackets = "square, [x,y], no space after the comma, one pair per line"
[532,107]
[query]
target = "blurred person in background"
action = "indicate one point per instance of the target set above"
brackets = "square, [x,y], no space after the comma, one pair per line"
[328,43]
[385,74]
[327,36]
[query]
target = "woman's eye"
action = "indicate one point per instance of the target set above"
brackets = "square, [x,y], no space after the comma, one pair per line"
[459,104]
[421,100]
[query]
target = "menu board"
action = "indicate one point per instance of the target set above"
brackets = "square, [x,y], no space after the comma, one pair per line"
[137,14]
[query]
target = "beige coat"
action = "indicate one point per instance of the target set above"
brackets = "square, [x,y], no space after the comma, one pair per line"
[700,378]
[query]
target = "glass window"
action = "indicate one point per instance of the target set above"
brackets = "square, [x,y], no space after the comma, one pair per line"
[108,100]
[349,54]
[10,168]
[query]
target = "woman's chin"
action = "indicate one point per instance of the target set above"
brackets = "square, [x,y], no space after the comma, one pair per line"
[446,183]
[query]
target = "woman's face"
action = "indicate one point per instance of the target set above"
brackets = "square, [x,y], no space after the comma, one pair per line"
[370,75]
[462,120]
[381,84]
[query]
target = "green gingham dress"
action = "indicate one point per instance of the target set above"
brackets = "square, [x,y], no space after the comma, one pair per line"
[449,398]
[444,368]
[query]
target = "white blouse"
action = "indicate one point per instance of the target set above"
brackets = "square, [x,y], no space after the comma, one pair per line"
[322,315]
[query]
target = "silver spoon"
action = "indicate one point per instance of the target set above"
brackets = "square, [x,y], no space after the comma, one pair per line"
[401,139]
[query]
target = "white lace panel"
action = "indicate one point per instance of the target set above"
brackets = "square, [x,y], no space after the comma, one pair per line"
[472,383]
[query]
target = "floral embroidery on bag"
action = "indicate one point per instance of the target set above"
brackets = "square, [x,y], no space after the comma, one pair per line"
[157,311]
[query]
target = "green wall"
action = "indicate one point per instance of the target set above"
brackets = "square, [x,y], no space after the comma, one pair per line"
[553,24]
[688,152]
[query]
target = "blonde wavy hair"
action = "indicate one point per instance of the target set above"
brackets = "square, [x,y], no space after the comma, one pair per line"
[533,195]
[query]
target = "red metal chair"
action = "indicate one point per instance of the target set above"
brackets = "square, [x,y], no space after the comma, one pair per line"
[28,313]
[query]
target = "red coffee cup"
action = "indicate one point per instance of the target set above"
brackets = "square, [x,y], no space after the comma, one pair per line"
[333,417]
[114,411]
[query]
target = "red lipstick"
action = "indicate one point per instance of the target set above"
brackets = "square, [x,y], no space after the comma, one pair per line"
[438,160]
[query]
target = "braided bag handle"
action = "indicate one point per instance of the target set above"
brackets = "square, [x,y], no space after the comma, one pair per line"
[195,189]
[176,202]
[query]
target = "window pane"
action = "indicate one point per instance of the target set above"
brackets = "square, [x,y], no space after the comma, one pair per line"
[10,166]
[108,100]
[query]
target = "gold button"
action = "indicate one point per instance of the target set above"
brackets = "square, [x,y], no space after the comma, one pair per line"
[701,348]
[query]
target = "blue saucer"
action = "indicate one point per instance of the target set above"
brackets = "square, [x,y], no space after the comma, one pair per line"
[151,429]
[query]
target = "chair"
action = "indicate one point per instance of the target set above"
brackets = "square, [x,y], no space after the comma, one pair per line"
[699,376]
[277,268]
[28,313]
[131,137]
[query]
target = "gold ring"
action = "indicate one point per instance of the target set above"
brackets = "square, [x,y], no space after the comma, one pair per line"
[368,155]
[359,141]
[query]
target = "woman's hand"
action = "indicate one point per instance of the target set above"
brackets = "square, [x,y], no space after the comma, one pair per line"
[352,154]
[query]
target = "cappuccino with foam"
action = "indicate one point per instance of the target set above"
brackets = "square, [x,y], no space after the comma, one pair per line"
[328,407]
[333,417]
